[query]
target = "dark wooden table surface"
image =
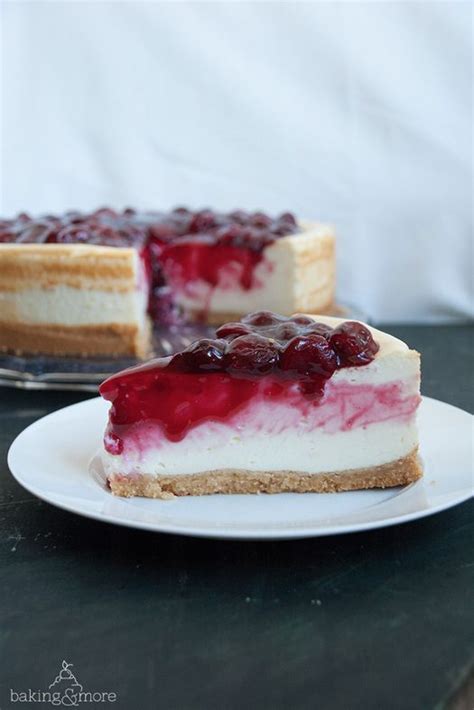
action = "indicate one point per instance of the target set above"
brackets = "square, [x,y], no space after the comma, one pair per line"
[382,619]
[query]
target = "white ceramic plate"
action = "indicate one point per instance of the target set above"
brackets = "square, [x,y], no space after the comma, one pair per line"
[52,459]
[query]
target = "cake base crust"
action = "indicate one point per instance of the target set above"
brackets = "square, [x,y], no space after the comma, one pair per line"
[395,473]
[111,339]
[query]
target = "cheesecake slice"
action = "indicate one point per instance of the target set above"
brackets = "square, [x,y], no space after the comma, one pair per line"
[272,404]
[92,284]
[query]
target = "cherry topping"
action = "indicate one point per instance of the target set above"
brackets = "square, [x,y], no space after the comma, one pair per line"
[233,330]
[251,355]
[230,234]
[113,443]
[203,355]
[309,355]
[298,347]
[239,216]
[182,211]
[285,331]
[262,318]
[320,329]
[202,221]
[237,228]
[287,218]
[73,234]
[302,319]
[259,219]
[353,344]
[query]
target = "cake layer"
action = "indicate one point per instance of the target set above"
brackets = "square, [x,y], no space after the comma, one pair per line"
[66,305]
[395,473]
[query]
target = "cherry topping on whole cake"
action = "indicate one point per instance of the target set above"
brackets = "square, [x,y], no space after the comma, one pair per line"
[180,247]
[238,228]
[202,222]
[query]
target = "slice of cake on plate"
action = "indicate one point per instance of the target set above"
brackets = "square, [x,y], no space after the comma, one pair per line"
[273,404]
[91,284]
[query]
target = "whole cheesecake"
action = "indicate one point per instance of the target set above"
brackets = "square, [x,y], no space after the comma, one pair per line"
[273,404]
[92,284]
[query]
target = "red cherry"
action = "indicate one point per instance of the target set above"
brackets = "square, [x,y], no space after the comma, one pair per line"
[106,212]
[320,329]
[204,354]
[287,218]
[202,221]
[261,220]
[354,344]
[230,234]
[286,331]
[301,319]
[251,355]
[183,211]
[309,355]
[232,330]
[239,216]
[37,232]
[263,318]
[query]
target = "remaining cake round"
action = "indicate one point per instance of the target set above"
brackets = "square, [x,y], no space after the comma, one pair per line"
[88,284]
[271,404]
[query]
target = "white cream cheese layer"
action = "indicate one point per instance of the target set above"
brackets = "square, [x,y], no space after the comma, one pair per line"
[64,305]
[214,447]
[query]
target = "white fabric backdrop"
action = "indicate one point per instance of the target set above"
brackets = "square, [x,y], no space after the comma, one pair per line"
[357,113]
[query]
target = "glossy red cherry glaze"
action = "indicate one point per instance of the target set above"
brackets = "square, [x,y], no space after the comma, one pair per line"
[216,249]
[281,360]
[181,249]
[187,262]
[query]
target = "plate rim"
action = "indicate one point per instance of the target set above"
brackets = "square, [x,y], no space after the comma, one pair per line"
[223,533]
